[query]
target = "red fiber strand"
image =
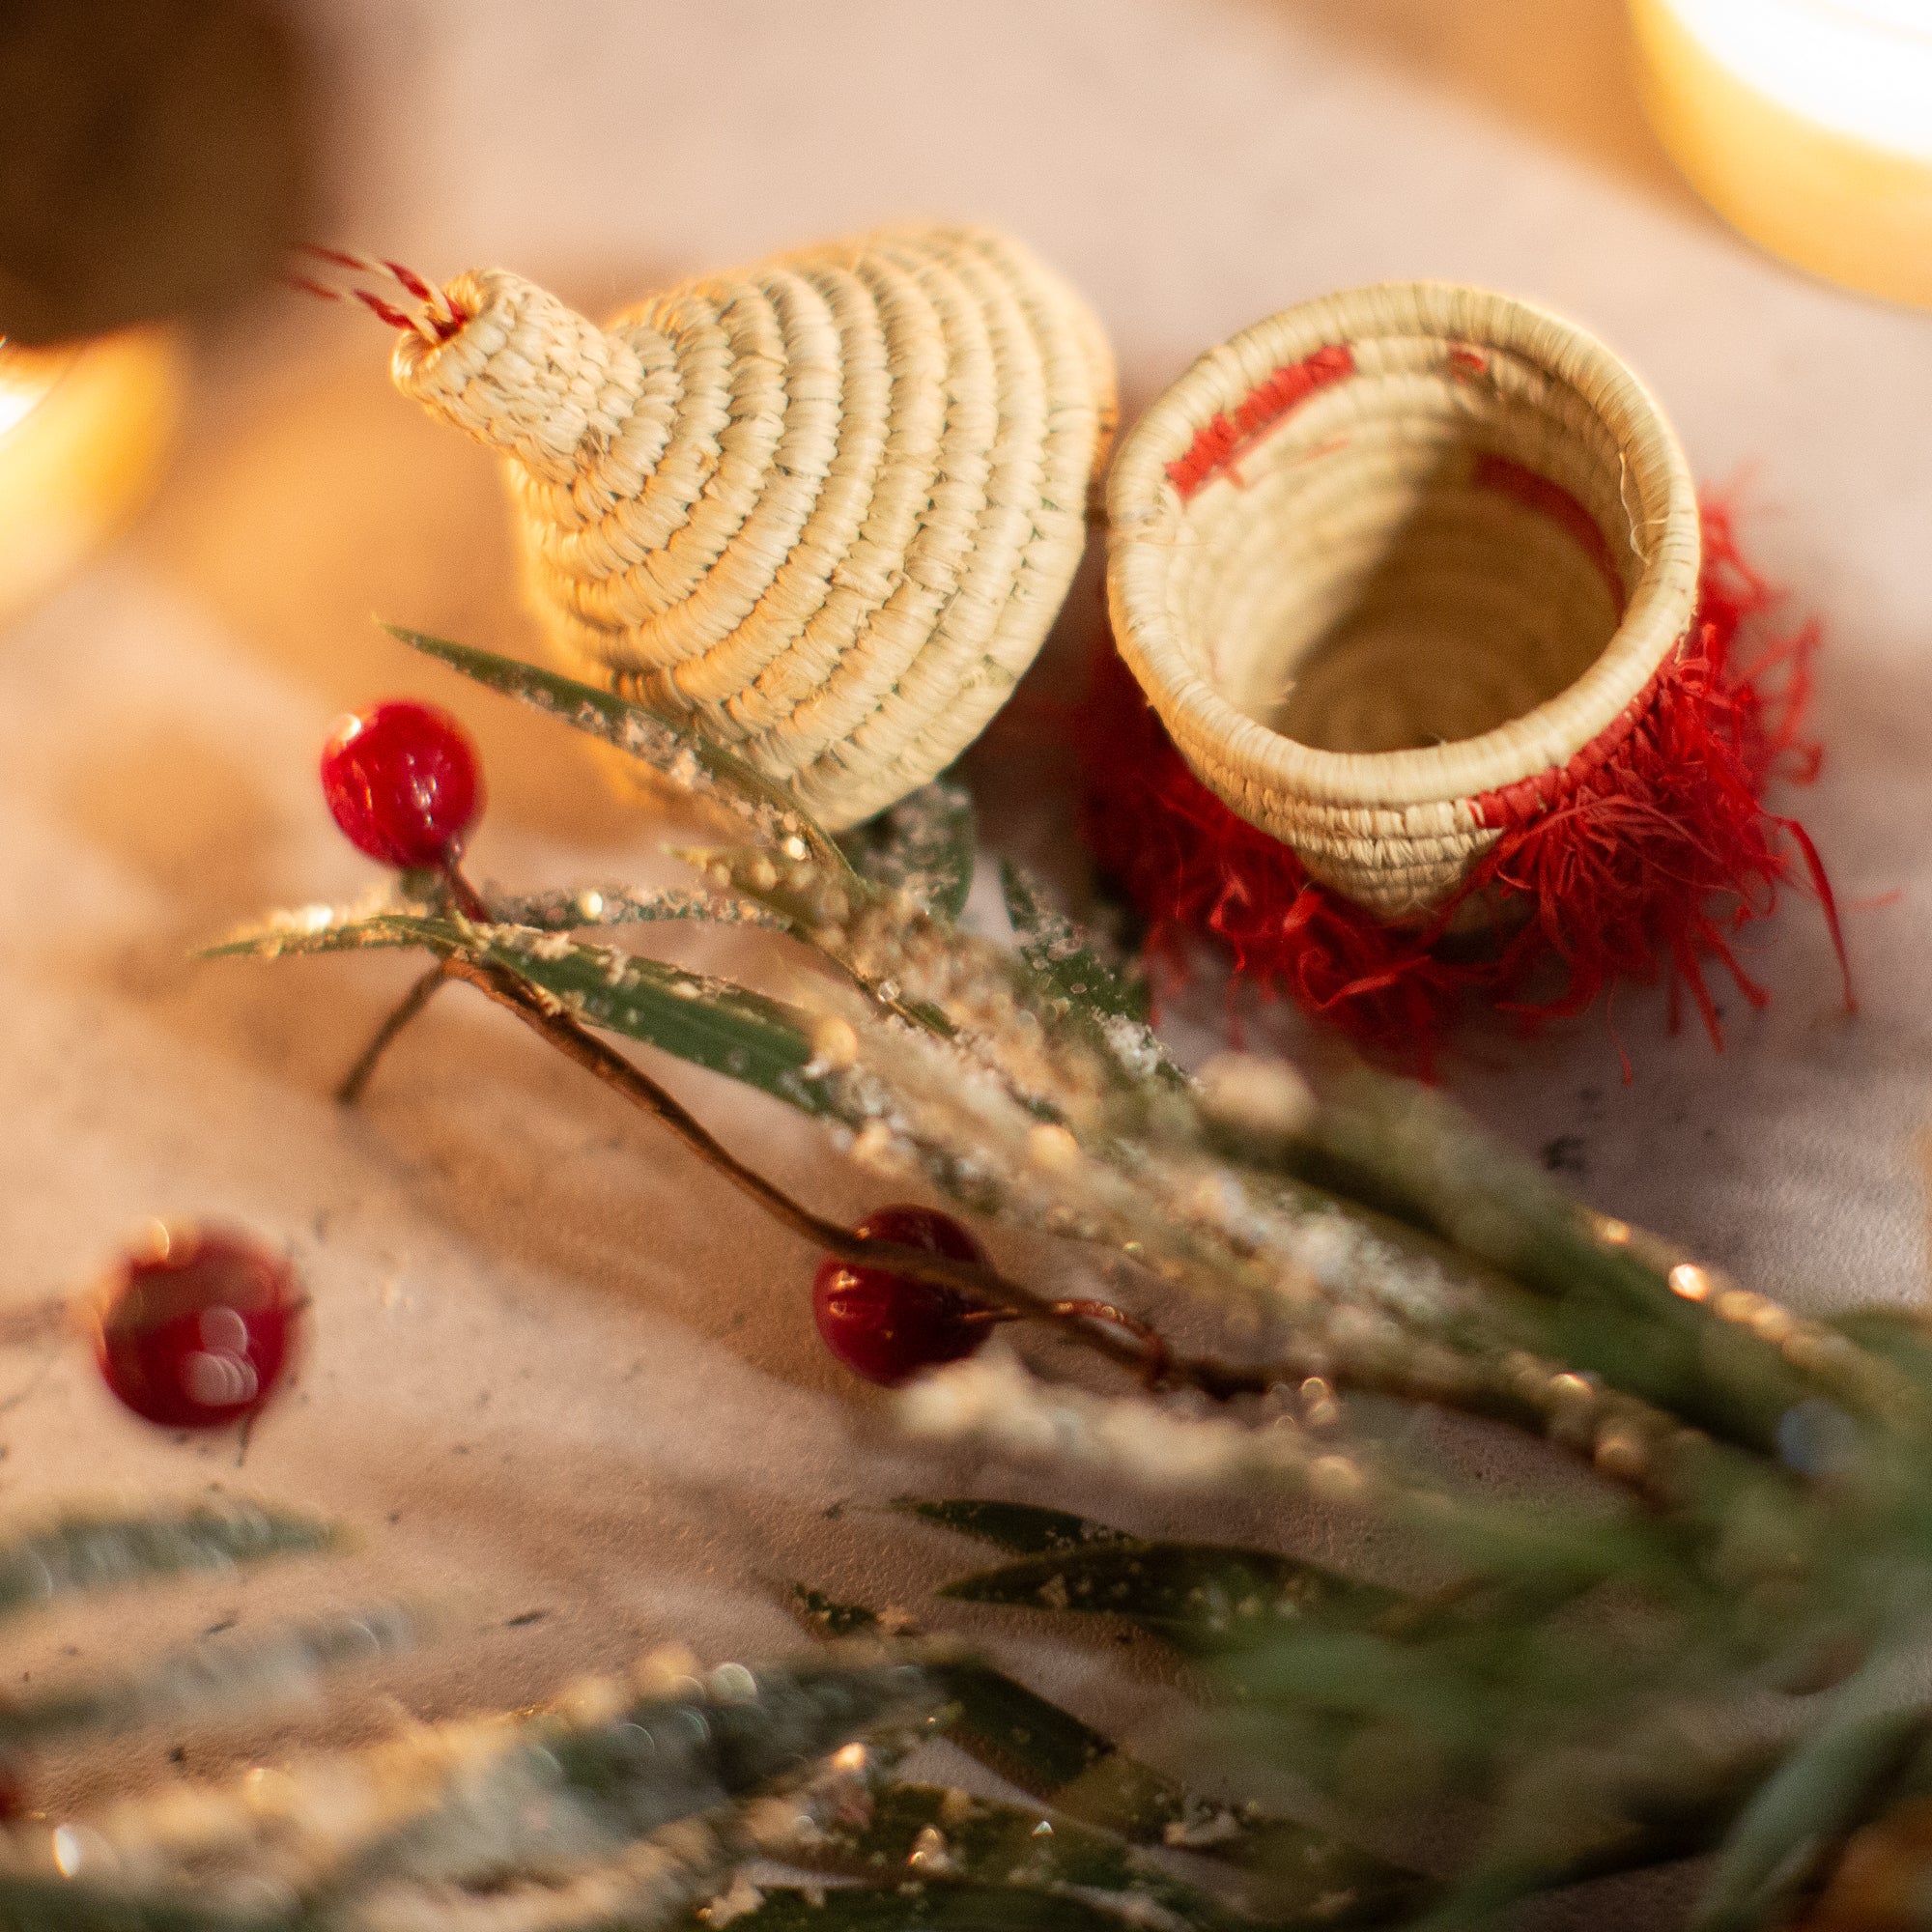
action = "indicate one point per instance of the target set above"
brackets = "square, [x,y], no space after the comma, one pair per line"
[436,318]
[1643,860]
[388,312]
[410,280]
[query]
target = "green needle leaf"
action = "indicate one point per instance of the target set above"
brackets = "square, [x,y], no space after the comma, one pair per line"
[1062,956]
[105,1552]
[622,905]
[825,1617]
[920,1831]
[1822,1791]
[945,1908]
[1050,1754]
[1203,1597]
[320,928]
[205,1679]
[711,1023]
[1414,1154]
[683,757]
[925,844]
[564,1788]
[1020,1527]
[63,1905]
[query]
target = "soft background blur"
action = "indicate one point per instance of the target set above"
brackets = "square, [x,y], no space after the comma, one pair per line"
[560,1369]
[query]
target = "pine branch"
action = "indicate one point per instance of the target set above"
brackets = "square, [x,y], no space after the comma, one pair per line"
[1084,1776]
[1718,1356]
[1371,1241]
[613,1807]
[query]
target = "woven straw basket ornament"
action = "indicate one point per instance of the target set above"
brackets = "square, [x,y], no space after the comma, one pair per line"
[1396,568]
[826,508]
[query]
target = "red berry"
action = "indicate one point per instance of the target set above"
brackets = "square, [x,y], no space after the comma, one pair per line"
[403,782]
[196,1331]
[888,1326]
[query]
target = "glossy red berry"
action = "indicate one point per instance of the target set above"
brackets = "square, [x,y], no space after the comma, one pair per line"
[403,783]
[197,1330]
[888,1326]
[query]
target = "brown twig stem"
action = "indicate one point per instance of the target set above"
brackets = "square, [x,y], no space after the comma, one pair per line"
[467,901]
[350,1089]
[1154,1354]
[1099,1326]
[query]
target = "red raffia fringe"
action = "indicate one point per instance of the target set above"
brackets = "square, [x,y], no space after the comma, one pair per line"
[1641,861]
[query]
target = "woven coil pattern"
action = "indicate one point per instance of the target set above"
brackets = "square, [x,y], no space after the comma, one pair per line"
[826,508]
[1394,567]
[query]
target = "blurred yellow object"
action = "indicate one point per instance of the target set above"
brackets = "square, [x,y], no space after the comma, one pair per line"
[1806,124]
[82,430]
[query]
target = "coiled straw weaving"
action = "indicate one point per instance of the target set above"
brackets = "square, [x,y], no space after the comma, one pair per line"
[1395,568]
[826,508]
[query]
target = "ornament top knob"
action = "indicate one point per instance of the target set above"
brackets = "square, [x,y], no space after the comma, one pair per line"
[525,372]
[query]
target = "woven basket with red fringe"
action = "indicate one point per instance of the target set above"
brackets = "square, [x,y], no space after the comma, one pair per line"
[1438,687]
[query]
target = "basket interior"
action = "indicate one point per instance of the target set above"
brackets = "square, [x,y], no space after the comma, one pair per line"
[1415,554]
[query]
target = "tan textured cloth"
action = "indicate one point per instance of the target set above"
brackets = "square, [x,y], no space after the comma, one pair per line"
[557,1368]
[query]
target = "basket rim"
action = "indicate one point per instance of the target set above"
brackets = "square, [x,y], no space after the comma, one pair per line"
[1146,514]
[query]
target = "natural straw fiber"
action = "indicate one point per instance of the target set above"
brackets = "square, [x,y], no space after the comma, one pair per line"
[1391,564]
[826,508]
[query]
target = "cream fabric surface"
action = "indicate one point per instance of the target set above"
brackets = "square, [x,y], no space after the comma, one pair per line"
[557,1368]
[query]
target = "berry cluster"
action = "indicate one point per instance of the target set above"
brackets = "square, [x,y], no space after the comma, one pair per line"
[197,1332]
[405,785]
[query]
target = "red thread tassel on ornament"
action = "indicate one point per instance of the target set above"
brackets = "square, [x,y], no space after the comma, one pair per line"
[1642,859]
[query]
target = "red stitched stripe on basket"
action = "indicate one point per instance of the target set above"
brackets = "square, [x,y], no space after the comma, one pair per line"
[1518,804]
[1218,441]
[1510,478]
[1514,803]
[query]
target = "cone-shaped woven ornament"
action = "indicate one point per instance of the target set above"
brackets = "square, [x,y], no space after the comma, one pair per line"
[826,507]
